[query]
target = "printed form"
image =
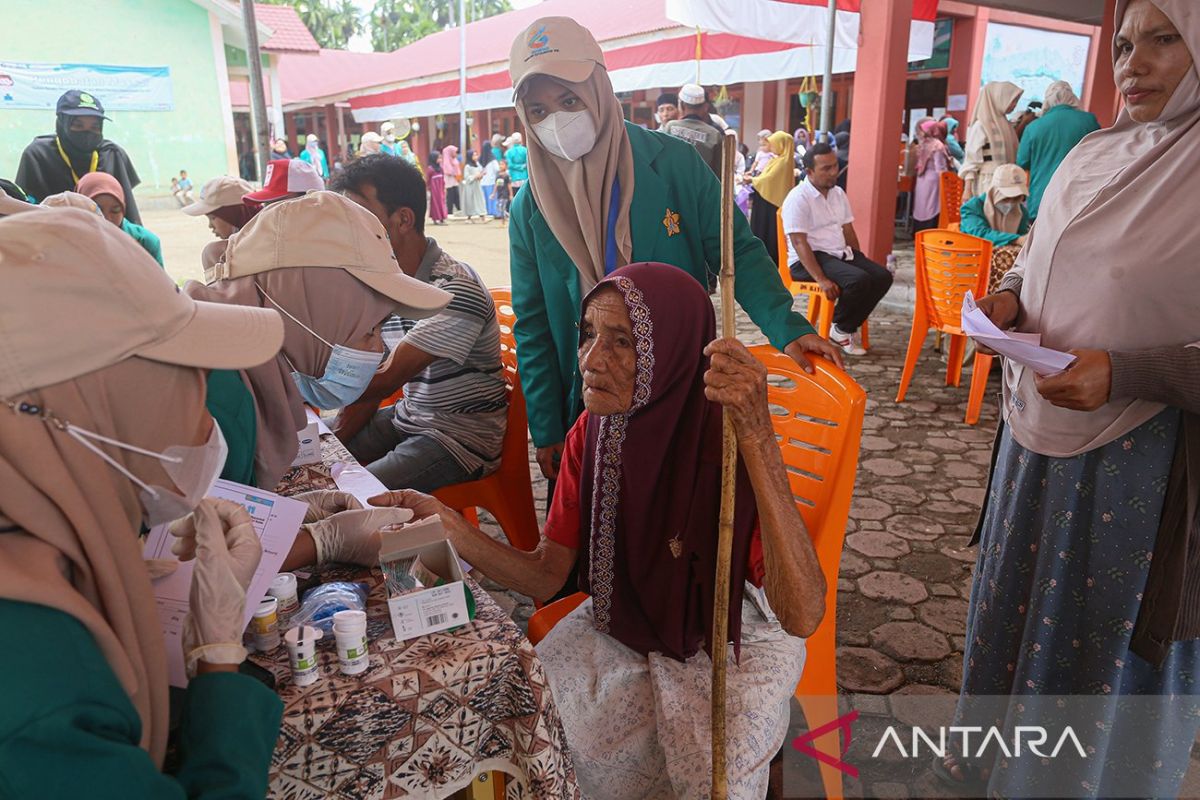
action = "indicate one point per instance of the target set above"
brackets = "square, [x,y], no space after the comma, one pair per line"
[276,521]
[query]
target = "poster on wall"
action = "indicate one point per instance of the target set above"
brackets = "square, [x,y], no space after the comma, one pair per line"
[1033,59]
[25,85]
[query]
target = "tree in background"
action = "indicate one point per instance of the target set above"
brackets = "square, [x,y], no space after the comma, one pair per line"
[332,22]
[395,23]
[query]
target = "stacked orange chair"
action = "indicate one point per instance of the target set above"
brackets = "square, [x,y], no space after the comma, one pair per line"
[818,420]
[820,309]
[508,492]
[950,213]
[949,264]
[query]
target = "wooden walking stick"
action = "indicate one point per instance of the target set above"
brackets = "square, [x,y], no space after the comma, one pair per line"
[720,635]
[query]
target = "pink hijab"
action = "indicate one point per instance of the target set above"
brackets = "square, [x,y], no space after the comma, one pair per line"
[1109,266]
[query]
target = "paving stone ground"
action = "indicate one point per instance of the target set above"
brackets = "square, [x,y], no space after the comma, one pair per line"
[906,568]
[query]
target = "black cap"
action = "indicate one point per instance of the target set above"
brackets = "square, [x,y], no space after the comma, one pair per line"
[77,103]
[667,99]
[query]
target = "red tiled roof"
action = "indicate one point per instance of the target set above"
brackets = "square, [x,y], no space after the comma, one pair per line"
[339,72]
[290,34]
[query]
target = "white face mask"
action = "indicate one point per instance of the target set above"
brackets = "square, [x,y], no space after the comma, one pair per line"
[567,134]
[193,469]
[1007,206]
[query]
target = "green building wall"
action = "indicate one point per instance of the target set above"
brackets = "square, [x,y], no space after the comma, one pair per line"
[174,33]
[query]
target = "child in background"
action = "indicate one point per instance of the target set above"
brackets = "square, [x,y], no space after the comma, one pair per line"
[502,191]
[182,189]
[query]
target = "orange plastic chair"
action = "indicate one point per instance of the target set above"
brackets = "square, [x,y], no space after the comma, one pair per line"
[818,421]
[951,200]
[508,492]
[949,265]
[820,309]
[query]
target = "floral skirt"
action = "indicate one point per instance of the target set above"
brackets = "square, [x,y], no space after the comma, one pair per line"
[640,726]
[1063,559]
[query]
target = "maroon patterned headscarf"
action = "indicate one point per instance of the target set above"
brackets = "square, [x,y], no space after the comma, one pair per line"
[650,488]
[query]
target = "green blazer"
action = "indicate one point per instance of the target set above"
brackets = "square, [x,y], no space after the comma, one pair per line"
[1046,142]
[670,178]
[976,223]
[68,728]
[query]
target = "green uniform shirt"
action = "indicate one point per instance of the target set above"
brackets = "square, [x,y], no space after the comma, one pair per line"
[675,218]
[232,406]
[1046,142]
[69,730]
[975,223]
[145,238]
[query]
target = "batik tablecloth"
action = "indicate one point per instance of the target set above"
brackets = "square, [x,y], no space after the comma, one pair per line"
[427,715]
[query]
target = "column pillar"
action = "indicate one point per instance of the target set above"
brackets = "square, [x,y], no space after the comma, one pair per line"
[289,125]
[1101,90]
[332,145]
[877,112]
[966,61]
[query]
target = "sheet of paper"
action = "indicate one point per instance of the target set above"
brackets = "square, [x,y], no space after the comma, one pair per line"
[322,428]
[276,521]
[1023,348]
[356,480]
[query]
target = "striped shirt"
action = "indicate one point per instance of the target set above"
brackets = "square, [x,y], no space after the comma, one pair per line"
[460,399]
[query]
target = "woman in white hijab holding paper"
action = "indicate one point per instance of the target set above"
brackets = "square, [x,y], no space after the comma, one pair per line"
[1087,581]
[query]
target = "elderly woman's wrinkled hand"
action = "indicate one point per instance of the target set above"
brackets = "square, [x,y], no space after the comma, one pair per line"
[1083,386]
[420,504]
[1002,308]
[738,381]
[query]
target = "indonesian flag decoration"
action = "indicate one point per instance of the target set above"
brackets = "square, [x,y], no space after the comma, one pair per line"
[798,21]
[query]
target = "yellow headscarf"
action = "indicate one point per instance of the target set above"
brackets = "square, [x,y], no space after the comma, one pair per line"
[779,176]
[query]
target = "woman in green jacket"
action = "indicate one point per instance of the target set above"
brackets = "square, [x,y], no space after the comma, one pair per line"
[97,442]
[603,193]
[1000,216]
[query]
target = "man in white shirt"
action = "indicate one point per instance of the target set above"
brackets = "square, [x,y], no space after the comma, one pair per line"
[823,248]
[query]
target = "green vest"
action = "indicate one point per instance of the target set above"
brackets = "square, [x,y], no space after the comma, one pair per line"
[674,218]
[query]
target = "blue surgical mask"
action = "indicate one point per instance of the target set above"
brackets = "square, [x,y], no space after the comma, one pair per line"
[345,379]
[347,373]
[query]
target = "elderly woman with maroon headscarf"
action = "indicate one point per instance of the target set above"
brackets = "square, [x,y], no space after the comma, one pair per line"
[1087,580]
[637,507]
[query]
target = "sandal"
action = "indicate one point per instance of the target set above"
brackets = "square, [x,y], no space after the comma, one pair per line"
[972,784]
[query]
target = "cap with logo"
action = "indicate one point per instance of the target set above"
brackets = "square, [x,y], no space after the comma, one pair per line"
[1009,181]
[287,177]
[106,291]
[76,103]
[219,193]
[692,94]
[72,200]
[556,46]
[324,229]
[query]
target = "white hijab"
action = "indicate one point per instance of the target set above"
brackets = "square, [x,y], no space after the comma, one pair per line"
[1111,263]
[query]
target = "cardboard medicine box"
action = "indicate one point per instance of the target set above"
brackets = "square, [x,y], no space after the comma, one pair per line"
[310,445]
[432,609]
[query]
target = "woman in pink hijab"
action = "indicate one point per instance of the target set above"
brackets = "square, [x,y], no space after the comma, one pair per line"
[932,159]
[452,174]
[1087,584]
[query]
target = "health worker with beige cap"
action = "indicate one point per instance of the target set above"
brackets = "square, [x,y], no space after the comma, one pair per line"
[325,263]
[1000,215]
[603,193]
[221,201]
[103,432]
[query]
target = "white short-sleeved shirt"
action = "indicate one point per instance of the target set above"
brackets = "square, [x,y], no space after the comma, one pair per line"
[820,218]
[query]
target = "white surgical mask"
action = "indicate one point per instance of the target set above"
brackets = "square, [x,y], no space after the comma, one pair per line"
[1007,206]
[193,469]
[567,134]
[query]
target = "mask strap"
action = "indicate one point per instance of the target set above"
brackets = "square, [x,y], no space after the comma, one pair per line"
[80,435]
[293,319]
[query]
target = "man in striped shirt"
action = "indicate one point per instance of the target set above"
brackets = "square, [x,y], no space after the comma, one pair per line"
[449,426]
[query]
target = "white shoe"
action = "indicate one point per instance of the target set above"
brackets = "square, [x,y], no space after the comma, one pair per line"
[846,341]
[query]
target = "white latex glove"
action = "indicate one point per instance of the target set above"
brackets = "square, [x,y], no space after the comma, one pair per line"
[324,503]
[220,536]
[160,567]
[352,537]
